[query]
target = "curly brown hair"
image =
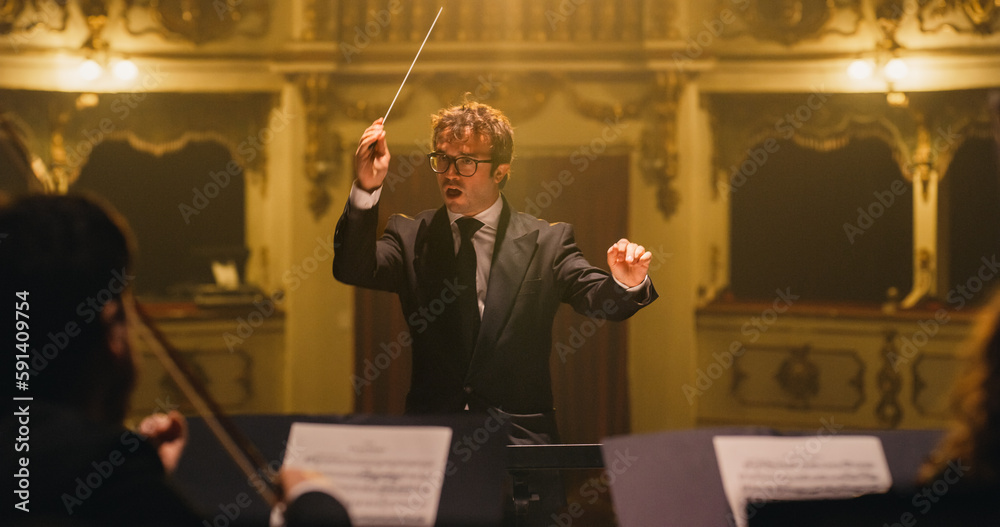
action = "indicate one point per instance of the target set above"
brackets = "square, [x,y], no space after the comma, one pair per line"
[974,438]
[471,118]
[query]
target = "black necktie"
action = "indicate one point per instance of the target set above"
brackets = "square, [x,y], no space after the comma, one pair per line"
[468,300]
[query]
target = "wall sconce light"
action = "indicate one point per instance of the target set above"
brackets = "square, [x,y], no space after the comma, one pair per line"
[90,70]
[125,70]
[861,69]
[895,70]
[891,72]
[121,69]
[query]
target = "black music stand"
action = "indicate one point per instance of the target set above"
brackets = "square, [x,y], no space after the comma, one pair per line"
[671,479]
[526,459]
[471,495]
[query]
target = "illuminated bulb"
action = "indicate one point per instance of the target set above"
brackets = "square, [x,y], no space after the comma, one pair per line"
[896,69]
[860,70]
[125,70]
[90,70]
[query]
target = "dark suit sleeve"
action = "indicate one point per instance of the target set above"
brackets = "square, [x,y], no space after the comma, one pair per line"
[591,290]
[361,258]
[316,509]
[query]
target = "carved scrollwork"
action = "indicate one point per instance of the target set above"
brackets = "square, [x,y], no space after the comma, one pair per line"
[323,149]
[10,11]
[819,121]
[198,21]
[889,411]
[522,96]
[799,376]
[659,145]
[962,16]
[21,18]
[791,21]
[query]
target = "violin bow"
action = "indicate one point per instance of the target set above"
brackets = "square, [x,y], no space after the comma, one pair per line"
[238,446]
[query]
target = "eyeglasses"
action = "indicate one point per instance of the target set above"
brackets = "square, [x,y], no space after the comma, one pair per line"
[464,165]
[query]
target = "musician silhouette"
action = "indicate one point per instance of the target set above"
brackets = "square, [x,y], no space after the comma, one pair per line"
[66,273]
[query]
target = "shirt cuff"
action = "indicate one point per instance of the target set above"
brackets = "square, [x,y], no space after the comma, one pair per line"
[362,199]
[642,285]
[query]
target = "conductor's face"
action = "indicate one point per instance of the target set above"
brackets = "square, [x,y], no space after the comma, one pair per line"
[469,194]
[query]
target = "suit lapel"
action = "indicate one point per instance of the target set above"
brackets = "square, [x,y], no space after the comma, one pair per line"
[514,249]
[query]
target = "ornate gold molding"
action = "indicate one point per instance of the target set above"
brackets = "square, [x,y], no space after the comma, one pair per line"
[799,378]
[819,121]
[889,382]
[524,95]
[323,150]
[789,22]
[198,21]
[961,16]
[18,17]
[65,128]
[517,21]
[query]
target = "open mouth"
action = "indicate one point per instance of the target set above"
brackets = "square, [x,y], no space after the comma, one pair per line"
[452,192]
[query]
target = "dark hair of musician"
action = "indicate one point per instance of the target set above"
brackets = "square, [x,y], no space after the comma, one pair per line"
[70,257]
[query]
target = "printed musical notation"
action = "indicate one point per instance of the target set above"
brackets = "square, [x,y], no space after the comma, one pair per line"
[756,469]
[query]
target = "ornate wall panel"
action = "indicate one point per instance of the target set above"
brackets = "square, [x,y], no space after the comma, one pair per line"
[198,21]
[790,22]
[922,135]
[64,128]
[864,371]
[962,16]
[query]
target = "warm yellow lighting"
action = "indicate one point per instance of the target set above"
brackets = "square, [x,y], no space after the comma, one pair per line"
[125,70]
[896,70]
[90,70]
[860,69]
[897,99]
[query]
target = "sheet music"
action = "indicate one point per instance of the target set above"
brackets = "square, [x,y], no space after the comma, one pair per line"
[388,475]
[759,468]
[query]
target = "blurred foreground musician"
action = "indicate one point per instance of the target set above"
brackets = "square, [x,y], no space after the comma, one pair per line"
[66,267]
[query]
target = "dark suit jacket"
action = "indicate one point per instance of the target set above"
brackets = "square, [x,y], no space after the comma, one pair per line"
[536,266]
